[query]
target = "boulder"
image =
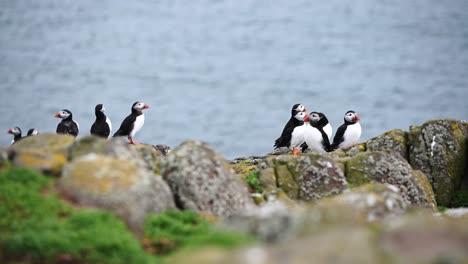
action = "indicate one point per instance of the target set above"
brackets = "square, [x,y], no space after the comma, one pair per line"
[393,140]
[318,176]
[46,153]
[368,203]
[388,167]
[122,186]
[439,149]
[143,154]
[202,180]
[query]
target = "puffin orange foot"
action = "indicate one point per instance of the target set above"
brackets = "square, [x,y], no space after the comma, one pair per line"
[296,152]
[133,142]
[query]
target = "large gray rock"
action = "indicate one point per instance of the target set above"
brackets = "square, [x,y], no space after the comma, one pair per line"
[394,140]
[46,153]
[390,167]
[439,149]
[202,180]
[143,154]
[122,186]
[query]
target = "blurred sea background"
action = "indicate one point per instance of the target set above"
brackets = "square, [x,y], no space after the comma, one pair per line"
[228,72]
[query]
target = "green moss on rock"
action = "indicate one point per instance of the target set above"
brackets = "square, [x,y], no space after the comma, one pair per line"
[286,181]
[172,230]
[394,140]
[36,227]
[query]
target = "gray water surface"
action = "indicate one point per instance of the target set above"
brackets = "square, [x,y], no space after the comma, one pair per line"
[228,72]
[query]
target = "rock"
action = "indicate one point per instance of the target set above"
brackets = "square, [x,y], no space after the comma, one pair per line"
[354,150]
[394,140]
[271,221]
[162,149]
[318,176]
[286,181]
[389,167]
[202,180]
[143,154]
[122,186]
[368,203]
[4,156]
[46,153]
[423,238]
[439,149]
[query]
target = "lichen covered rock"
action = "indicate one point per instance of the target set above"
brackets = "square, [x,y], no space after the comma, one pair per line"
[394,140]
[368,203]
[122,186]
[318,176]
[46,153]
[143,154]
[387,167]
[439,149]
[202,180]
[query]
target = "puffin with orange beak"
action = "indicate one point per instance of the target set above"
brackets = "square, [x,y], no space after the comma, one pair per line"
[297,119]
[16,132]
[133,122]
[348,133]
[67,126]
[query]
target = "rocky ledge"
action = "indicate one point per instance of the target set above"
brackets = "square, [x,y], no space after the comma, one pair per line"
[380,201]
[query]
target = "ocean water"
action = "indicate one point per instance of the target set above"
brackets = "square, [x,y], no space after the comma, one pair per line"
[228,72]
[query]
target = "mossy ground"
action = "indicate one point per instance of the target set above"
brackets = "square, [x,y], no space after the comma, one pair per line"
[37,227]
[173,230]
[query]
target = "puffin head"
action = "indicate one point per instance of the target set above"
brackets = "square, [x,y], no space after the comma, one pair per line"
[301,116]
[298,108]
[352,117]
[33,132]
[14,131]
[140,106]
[100,107]
[64,114]
[314,117]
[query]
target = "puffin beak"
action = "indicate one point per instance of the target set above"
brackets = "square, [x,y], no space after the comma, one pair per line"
[306,118]
[146,106]
[357,118]
[57,115]
[9,131]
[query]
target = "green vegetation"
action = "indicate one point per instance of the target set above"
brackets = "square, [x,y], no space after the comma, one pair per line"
[35,226]
[173,230]
[253,180]
[460,199]
[441,208]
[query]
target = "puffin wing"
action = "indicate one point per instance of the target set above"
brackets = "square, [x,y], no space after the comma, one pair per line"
[74,128]
[285,138]
[126,126]
[325,141]
[339,137]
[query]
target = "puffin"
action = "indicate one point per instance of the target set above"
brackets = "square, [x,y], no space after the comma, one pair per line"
[295,120]
[102,127]
[16,132]
[298,134]
[32,132]
[318,133]
[133,123]
[67,125]
[348,133]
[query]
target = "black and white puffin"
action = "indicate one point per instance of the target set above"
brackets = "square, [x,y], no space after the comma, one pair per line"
[295,120]
[102,127]
[298,134]
[133,123]
[316,136]
[16,132]
[67,125]
[348,133]
[32,132]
